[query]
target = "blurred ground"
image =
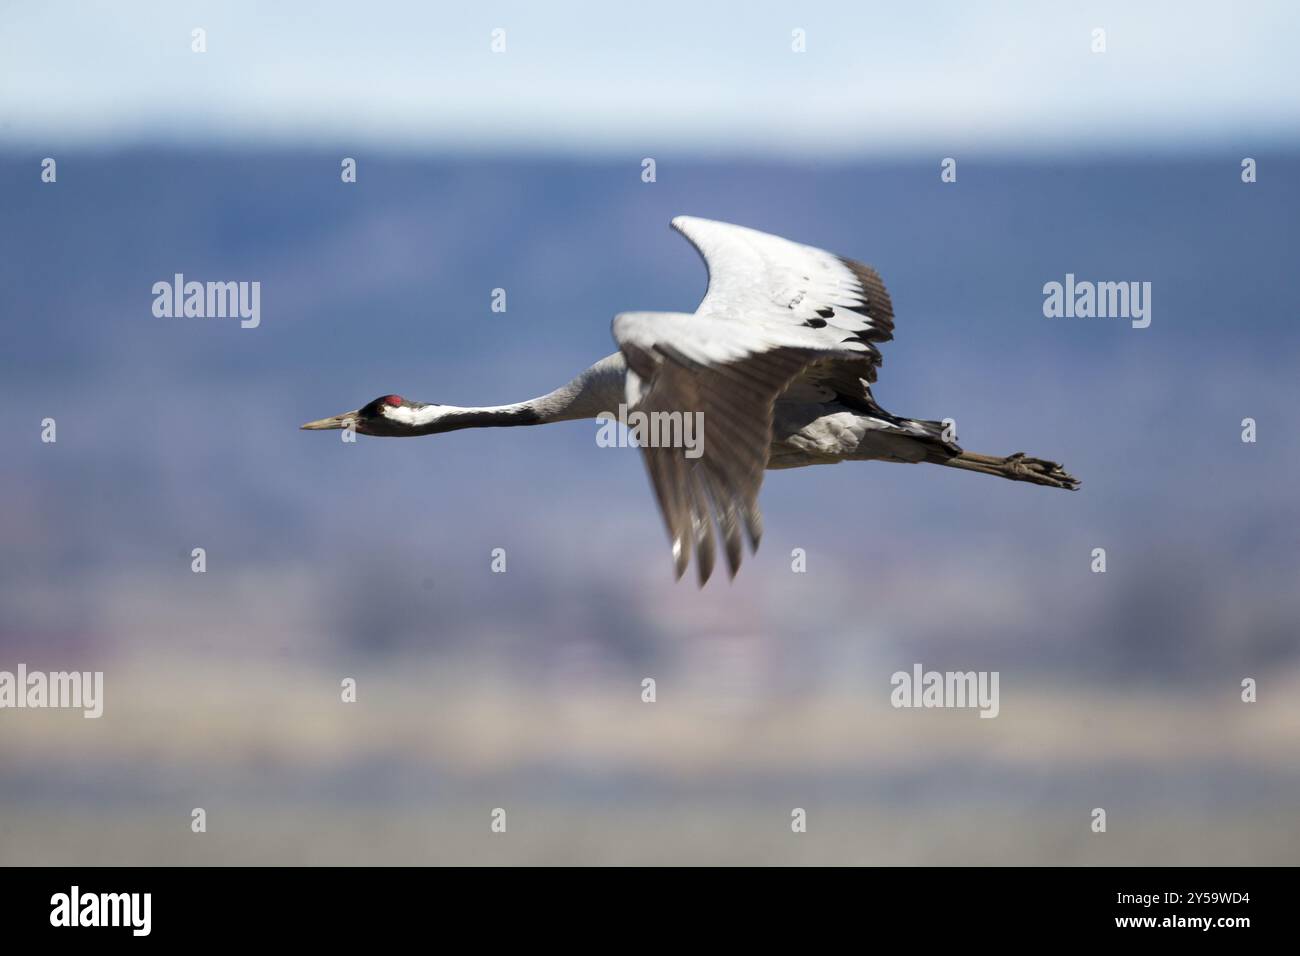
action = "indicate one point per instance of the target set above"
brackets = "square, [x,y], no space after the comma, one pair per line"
[411,773]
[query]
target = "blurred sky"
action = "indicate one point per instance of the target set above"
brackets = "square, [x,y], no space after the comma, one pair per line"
[673,75]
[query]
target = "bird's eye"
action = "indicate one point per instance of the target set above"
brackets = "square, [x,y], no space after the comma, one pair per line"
[394,400]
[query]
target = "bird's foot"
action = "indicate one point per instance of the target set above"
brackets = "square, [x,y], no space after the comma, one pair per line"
[1039,471]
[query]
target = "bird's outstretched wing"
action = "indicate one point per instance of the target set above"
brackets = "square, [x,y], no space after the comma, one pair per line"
[758,277]
[773,308]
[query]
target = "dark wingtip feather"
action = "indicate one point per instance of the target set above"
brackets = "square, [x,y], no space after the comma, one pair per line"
[681,557]
[704,560]
[753,526]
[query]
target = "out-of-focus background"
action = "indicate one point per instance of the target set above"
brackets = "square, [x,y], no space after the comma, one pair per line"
[522,170]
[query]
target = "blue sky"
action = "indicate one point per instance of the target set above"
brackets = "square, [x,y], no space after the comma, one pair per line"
[670,76]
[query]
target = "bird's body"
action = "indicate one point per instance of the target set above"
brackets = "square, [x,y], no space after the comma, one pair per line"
[776,364]
[806,433]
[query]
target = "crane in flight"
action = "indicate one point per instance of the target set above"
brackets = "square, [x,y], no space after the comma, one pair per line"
[776,364]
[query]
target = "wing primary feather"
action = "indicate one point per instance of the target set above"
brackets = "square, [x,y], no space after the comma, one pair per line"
[728,524]
[667,490]
[703,526]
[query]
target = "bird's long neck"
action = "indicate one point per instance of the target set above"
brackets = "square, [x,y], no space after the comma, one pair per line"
[597,389]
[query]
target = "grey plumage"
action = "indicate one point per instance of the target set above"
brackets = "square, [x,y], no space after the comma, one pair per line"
[778,359]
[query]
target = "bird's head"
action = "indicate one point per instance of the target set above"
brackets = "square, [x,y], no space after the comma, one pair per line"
[388,415]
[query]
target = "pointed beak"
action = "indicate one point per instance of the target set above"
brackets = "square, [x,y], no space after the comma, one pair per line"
[345,420]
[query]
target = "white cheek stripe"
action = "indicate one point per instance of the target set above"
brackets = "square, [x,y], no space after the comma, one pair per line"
[419,415]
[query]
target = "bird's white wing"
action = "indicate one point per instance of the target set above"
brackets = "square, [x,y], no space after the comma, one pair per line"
[773,307]
[760,278]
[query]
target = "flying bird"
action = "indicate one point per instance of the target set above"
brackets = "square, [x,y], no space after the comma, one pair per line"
[776,364]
